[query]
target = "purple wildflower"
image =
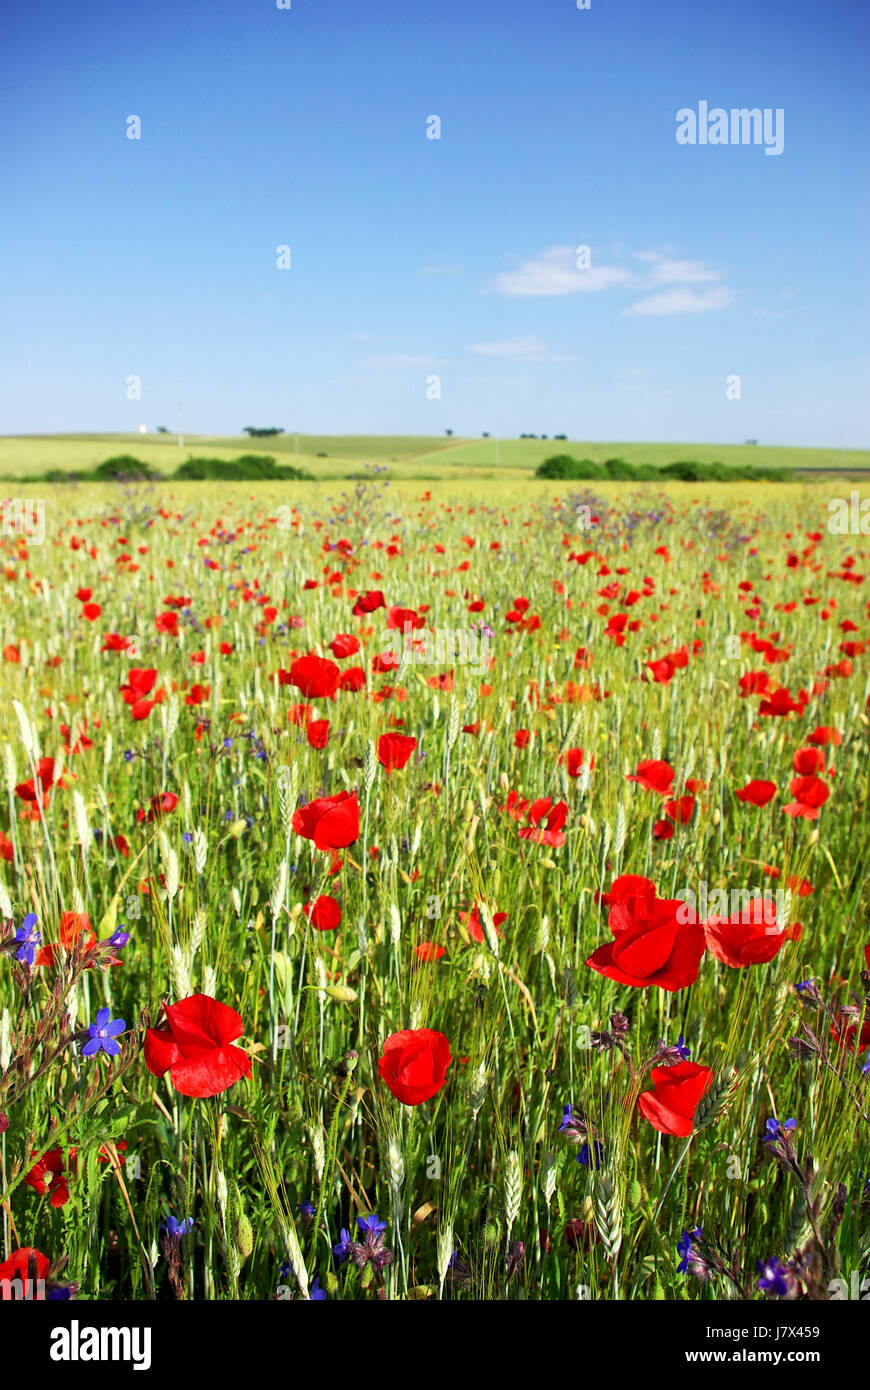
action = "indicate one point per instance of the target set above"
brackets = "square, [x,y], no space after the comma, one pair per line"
[103,1034]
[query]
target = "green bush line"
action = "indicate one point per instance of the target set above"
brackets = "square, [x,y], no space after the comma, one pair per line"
[125,468]
[564,466]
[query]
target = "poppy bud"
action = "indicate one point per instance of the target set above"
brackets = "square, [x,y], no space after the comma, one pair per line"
[634,1195]
[366,1276]
[240,1227]
[491,1233]
[342,993]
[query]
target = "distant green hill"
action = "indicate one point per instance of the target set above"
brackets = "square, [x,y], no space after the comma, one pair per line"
[405,456]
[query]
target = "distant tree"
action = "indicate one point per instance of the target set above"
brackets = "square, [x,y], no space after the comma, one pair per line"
[560,436]
[486,434]
[260,433]
[448,433]
[161,429]
[543,436]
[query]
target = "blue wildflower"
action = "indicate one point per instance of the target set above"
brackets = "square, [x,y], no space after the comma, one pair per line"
[103,1034]
[371,1223]
[176,1229]
[343,1248]
[591,1158]
[573,1124]
[773,1277]
[772,1128]
[684,1248]
[317,1294]
[28,938]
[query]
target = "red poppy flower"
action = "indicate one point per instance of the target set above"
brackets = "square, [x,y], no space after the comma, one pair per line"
[167,622]
[661,670]
[680,810]
[474,926]
[161,805]
[324,913]
[47,1175]
[657,941]
[344,645]
[780,703]
[400,618]
[317,733]
[757,793]
[197,694]
[654,776]
[332,822]
[21,1265]
[670,1106]
[140,682]
[428,951]
[627,887]
[91,611]
[44,776]
[74,927]
[114,642]
[394,750]
[369,602]
[808,761]
[414,1064]
[195,1046]
[315,677]
[847,1034]
[7,849]
[554,818]
[810,794]
[354,678]
[573,760]
[754,683]
[825,736]
[749,937]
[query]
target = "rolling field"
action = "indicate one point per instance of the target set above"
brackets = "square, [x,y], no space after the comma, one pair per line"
[404,456]
[418,891]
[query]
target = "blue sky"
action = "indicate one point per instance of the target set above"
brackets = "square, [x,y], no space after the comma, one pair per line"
[413,257]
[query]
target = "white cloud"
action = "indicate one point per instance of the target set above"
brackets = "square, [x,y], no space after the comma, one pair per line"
[555,272]
[666,270]
[680,302]
[529,346]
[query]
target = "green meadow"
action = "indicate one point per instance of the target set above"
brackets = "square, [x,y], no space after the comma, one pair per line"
[405,456]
